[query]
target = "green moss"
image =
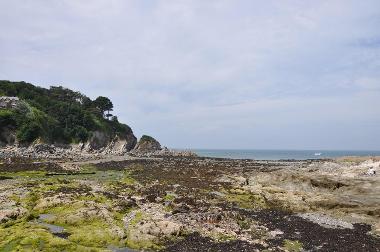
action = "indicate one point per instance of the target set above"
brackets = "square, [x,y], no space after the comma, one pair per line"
[244,224]
[169,197]
[95,233]
[87,231]
[224,237]
[292,246]
[32,237]
[24,174]
[168,208]
[246,200]
[128,179]
[143,244]
[139,216]
[88,168]
[65,209]
[31,200]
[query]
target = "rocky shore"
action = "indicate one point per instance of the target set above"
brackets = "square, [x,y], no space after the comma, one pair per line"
[161,202]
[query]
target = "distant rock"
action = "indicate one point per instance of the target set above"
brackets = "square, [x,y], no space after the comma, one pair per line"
[147,144]
[174,153]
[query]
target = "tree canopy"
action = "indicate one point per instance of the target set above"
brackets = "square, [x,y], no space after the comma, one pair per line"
[104,104]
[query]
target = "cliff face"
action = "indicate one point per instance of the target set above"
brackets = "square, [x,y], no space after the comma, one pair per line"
[117,144]
[99,142]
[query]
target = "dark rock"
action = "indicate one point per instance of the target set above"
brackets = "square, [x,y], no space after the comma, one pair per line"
[183,208]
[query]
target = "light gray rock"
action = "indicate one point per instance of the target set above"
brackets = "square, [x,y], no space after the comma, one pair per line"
[7,102]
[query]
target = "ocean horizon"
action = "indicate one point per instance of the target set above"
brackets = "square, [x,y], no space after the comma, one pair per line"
[281,154]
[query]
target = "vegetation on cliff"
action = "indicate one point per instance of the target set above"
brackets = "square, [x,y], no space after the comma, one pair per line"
[56,115]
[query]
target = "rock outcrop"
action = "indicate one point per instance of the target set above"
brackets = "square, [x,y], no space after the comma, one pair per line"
[7,102]
[118,144]
[147,144]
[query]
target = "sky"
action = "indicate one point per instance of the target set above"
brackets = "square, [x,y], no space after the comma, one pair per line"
[235,74]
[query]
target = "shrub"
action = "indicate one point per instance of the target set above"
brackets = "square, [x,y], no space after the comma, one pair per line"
[7,118]
[29,132]
[81,134]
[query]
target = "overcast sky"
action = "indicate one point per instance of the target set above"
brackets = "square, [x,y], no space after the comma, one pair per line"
[210,74]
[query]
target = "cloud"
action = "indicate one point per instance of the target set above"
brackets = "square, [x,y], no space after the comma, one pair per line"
[209,73]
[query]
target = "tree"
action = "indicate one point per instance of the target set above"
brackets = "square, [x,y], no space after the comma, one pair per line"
[103,104]
[81,133]
[29,132]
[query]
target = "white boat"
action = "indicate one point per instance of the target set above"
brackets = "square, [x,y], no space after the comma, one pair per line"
[317,154]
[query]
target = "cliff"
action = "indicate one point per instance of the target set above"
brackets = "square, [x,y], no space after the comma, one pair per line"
[31,115]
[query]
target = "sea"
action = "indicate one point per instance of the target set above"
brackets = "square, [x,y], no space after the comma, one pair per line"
[281,154]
